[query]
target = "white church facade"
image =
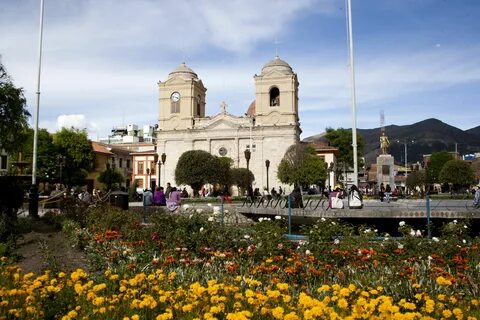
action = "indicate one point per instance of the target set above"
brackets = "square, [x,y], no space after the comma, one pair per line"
[268,128]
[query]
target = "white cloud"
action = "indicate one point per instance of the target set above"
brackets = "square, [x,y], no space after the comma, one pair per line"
[77,121]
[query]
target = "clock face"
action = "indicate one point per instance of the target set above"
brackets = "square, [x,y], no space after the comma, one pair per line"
[175,97]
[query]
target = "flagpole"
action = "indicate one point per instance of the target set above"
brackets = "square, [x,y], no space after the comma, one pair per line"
[353,98]
[33,196]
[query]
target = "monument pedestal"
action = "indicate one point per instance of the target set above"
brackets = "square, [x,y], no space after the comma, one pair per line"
[385,169]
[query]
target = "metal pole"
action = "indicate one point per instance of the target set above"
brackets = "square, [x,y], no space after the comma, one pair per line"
[427,199]
[33,195]
[289,214]
[406,162]
[352,82]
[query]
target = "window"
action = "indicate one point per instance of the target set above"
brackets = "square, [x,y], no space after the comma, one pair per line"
[128,163]
[120,162]
[274,97]
[140,167]
[152,167]
[199,109]
[139,183]
[3,162]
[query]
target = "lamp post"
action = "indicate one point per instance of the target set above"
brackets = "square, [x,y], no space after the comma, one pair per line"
[163,158]
[155,160]
[248,154]
[148,178]
[330,170]
[267,164]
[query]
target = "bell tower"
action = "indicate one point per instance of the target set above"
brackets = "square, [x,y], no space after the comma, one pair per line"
[276,94]
[182,99]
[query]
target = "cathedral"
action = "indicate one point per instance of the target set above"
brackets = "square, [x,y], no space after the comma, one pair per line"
[269,126]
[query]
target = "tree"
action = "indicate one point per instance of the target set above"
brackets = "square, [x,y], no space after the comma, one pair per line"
[47,154]
[196,168]
[437,161]
[111,178]
[241,177]
[73,144]
[458,174]
[13,113]
[301,166]
[416,179]
[342,139]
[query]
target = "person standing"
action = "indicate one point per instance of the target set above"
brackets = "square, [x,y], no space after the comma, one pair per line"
[476,198]
[381,192]
[168,190]
[159,197]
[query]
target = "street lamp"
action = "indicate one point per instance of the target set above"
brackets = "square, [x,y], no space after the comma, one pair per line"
[148,178]
[267,164]
[163,157]
[248,154]
[155,160]
[61,164]
[330,170]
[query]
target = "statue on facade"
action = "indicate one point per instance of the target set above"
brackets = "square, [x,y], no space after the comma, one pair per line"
[384,143]
[223,107]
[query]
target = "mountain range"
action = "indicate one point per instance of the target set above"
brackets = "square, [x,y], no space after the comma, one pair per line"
[424,137]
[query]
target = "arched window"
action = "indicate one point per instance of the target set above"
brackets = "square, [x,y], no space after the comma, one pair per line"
[274,97]
[198,110]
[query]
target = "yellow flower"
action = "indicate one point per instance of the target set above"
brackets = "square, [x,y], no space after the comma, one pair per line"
[291,316]
[273,294]
[165,316]
[282,286]
[277,313]
[342,303]
[443,281]
[447,313]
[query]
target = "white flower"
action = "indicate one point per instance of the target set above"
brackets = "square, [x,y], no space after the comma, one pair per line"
[333,223]
[412,232]
[401,223]
[209,204]
[430,257]
[246,236]
[400,246]
[376,230]
[226,211]
[186,206]
[435,239]
[323,219]
[307,252]
[260,219]
[210,219]
[367,231]
[418,233]
[199,210]
[465,226]
[216,209]
[464,241]
[336,241]
[190,216]
[201,229]
[278,218]
[455,221]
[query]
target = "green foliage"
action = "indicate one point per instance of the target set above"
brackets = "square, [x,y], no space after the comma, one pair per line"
[111,178]
[416,179]
[197,167]
[437,161]
[11,195]
[300,165]
[342,139]
[241,177]
[457,173]
[13,113]
[74,145]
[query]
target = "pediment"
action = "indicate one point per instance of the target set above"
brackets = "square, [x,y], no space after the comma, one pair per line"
[176,80]
[222,124]
[276,74]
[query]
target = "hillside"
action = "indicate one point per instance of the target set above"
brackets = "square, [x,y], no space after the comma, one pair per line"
[430,135]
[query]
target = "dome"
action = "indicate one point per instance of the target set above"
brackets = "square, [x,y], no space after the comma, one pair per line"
[184,72]
[277,64]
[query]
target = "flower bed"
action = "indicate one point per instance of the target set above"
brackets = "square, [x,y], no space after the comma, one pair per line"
[191,266]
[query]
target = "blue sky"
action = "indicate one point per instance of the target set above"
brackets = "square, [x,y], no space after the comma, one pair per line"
[102,59]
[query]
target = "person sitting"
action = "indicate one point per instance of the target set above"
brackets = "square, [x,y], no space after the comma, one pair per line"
[355,199]
[184,193]
[174,200]
[296,200]
[335,198]
[159,197]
